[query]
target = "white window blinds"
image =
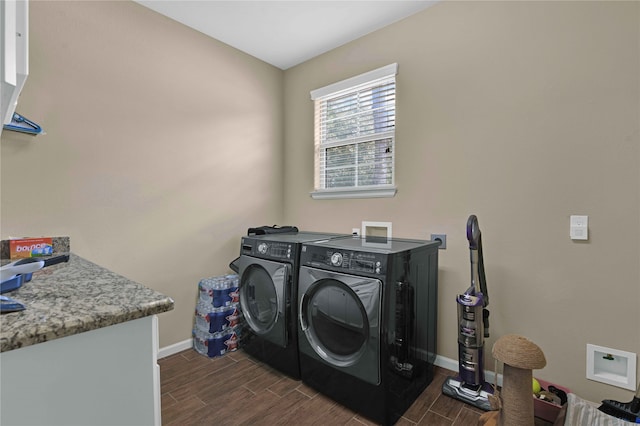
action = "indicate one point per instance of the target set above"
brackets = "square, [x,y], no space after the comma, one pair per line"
[355,136]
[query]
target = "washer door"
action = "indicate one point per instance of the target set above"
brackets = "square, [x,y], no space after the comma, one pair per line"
[340,320]
[263,293]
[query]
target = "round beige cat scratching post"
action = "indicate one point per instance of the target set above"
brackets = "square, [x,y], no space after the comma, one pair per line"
[520,356]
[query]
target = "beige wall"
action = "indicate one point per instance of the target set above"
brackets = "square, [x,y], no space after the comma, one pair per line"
[522,113]
[162,147]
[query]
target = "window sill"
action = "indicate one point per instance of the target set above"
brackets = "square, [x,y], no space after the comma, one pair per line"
[328,194]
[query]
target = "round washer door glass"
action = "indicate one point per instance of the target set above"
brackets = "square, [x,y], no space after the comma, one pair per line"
[339,318]
[259,299]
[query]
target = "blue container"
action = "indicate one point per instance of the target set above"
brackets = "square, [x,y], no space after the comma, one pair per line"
[14,282]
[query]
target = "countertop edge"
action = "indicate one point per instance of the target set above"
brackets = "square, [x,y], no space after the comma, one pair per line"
[23,341]
[28,332]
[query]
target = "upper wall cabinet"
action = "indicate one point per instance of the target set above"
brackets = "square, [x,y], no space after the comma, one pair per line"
[14,61]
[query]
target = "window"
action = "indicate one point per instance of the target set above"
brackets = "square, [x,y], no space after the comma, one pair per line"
[355,136]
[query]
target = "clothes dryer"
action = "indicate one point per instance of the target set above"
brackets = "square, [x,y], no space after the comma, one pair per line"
[268,270]
[367,322]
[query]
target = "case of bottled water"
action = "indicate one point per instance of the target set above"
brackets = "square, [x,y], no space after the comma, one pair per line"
[219,291]
[216,344]
[217,316]
[213,320]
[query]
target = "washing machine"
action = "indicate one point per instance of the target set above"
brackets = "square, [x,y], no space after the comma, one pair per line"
[268,271]
[367,322]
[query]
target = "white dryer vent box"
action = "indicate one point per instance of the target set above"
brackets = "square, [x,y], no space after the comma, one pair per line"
[376,234]
[611,366]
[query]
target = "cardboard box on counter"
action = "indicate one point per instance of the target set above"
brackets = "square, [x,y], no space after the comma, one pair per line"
[30,247]
[20,248]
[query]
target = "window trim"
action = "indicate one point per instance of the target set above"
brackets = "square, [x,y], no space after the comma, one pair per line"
[371,191]
[380,191]
[386,71]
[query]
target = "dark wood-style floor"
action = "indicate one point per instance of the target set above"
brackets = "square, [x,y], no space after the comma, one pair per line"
[238,390]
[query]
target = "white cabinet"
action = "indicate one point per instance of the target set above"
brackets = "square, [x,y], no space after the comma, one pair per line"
[14,54]
[107,376]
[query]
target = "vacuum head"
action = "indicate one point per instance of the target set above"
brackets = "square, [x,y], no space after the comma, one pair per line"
[476,395]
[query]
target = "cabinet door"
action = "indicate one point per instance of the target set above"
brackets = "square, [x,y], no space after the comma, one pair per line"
[14,62]
[108,376]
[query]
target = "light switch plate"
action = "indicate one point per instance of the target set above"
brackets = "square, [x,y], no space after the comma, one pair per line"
[579,227]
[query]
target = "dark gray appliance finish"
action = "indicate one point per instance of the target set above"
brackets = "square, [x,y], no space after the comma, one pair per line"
[268,270]
[367,322]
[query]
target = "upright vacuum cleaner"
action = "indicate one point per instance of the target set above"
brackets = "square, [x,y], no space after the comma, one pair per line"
[473,326]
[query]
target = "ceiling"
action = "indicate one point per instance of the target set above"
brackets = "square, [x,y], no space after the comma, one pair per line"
[286,33]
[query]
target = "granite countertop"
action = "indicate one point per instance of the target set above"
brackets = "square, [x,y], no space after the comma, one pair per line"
[74,297]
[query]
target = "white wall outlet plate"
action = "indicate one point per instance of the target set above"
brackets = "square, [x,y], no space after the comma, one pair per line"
[579,227]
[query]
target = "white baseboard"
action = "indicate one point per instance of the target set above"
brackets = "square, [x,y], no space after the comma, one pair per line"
[447,363]
[175,348]
[452,364]
[441,361]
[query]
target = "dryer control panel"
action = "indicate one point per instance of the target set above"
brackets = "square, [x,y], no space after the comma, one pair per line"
[267,249]
[344,260]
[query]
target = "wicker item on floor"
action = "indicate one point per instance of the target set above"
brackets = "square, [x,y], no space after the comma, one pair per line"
[520,356]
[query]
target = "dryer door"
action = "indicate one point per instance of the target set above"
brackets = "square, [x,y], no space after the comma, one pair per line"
[263,292]
[340,321]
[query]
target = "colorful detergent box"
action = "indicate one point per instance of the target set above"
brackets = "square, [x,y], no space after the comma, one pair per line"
[30,247]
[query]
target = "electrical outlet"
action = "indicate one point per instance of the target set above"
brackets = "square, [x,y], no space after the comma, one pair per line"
[442,238]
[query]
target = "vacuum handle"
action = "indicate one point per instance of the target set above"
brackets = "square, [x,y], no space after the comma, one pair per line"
[473,232]
[477,259]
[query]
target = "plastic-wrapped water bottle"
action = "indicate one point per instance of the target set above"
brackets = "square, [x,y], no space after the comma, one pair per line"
[205,289]
[212,320]
[220,290]
[224,289]
[234,293]
[201,342]
[233,315]
[218,319]
[202,316]
[216,344]
[230,339]
[205,312]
